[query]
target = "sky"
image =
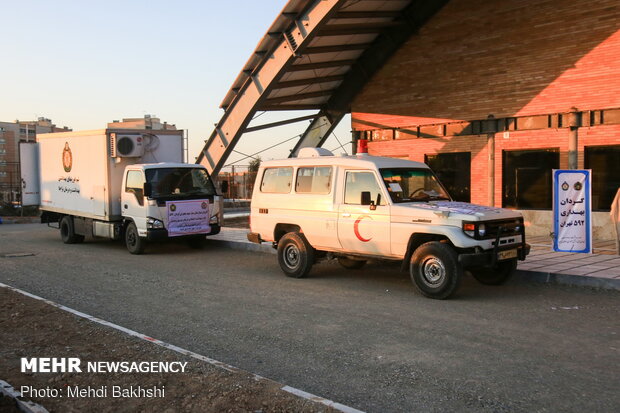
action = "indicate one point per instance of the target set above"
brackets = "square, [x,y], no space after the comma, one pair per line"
[86,63]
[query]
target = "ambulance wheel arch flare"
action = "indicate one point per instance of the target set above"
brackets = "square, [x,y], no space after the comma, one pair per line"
[361,207]
[129,185]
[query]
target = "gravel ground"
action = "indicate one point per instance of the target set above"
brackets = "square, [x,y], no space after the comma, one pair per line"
[363,338]
[31,328]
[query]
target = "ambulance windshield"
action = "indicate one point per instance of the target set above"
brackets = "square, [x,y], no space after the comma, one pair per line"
[413,185]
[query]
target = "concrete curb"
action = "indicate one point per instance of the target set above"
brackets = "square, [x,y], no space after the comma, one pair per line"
[25,406]
[533,276]
[568,279]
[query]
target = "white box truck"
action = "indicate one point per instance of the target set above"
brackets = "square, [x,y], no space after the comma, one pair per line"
[125,184]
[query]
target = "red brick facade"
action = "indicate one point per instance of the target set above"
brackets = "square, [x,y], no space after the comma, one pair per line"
[506,58]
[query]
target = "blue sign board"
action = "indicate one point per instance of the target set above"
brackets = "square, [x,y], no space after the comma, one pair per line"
[572,210]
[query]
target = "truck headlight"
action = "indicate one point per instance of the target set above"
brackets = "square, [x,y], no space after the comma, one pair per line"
[482,230]
[154,223]
[213,220]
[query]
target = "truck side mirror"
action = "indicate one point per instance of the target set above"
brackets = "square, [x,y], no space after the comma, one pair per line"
[224,187]
[365,198]
[148,189]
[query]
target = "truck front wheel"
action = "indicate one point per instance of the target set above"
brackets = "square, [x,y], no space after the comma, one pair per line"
[135,244]
[295,255]
[497,275]
[67,231]
[435,270]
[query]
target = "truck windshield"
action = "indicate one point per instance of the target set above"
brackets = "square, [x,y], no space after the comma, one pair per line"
[413,185]
[179,182]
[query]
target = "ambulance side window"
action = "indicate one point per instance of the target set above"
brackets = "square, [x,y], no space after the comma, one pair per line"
[277,180]
[358,182]
[314,180]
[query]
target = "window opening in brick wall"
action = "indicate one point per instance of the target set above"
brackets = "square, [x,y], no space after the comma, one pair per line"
[526,178]
[454,172]
[604,162]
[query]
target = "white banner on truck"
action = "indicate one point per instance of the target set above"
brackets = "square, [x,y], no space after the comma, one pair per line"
[572,210]
[29,165]
[188,217]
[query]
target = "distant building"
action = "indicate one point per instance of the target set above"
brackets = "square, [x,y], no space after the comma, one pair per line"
[11,134]
[148,122]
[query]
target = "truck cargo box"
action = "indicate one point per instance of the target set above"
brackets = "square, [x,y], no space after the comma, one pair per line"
[81,172]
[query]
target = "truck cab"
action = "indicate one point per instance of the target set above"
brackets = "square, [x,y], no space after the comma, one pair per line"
[153,196]
[357,208]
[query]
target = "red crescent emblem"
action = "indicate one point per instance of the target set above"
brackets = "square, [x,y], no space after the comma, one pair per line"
[357,230]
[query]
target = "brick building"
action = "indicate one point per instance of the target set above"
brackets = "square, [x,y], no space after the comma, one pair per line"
[11,134]
[494,95]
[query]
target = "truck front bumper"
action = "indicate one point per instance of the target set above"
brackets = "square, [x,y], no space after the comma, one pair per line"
[161,234]
[491,257]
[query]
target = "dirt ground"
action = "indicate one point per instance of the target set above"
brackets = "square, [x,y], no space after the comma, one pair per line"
[31,328]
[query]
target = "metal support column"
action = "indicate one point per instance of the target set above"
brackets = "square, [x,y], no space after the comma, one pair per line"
[491,164]
[574,118]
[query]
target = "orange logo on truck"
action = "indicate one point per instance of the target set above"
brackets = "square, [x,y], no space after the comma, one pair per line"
[67,158]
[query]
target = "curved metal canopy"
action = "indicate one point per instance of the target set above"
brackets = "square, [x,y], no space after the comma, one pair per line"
[316,55]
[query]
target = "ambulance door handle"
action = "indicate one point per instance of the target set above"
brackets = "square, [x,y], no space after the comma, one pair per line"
[346,215]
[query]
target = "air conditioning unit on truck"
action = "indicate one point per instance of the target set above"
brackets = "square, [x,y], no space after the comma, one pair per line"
[356,208]
[125,184]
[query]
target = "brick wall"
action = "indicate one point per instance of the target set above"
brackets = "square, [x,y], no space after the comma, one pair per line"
[501,57]
[415,149]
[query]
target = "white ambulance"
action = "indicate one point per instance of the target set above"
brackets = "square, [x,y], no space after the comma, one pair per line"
[361,207]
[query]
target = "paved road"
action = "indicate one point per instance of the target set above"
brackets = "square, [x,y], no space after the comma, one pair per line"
[363,338]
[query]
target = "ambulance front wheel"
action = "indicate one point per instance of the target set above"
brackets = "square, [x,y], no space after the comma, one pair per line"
[435,270]
[295,255]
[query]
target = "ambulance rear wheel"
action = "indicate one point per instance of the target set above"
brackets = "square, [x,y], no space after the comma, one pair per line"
[350,264]
[435,270]
[295,255]
[67,231]
[135,244]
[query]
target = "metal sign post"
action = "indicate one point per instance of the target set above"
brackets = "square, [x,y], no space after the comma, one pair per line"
[572,210]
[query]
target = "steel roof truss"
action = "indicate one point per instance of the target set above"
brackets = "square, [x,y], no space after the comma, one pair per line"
[254,90]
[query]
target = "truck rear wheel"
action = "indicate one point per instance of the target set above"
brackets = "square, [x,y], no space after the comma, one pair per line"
[67,231]
[295,255]
[497,275]
[135,244]
[351,264]
[435,270]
